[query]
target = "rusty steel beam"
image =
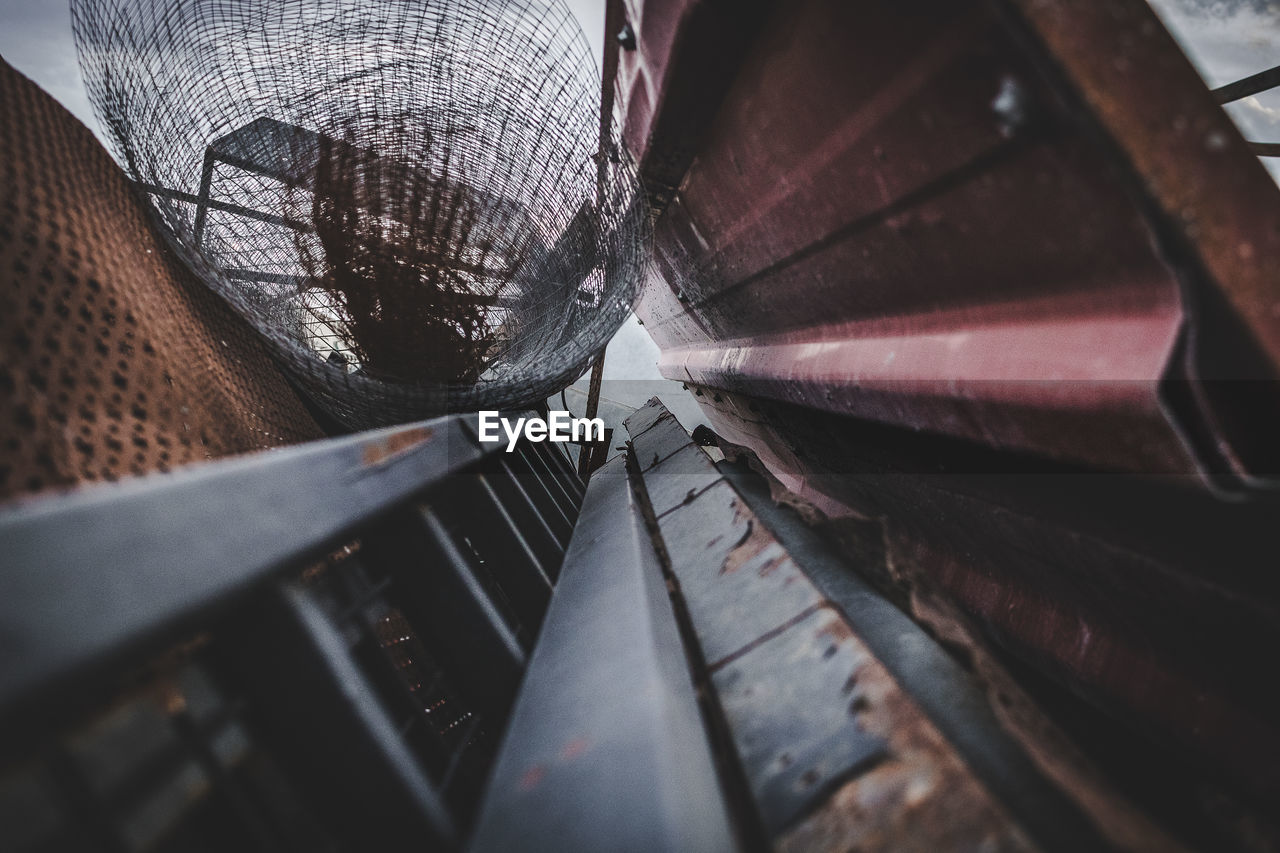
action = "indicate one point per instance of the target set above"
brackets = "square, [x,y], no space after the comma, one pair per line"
[934,263]
[1212,205]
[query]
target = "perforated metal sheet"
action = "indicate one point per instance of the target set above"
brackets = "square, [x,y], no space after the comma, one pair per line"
[116,360]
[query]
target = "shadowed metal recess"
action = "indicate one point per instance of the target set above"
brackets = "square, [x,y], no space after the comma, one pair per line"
[414,202]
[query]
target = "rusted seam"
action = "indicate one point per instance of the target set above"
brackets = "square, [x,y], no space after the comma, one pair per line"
[770,634]
[978,165]
[658,460]
[749,828]
[664,416]
[692,496]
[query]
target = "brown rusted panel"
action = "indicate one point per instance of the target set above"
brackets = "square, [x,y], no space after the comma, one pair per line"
[901,212]
[1025,225]
[117,361]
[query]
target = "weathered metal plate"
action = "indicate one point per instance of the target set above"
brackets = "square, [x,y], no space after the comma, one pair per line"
[645,418]
[777,658]
[659,442]
[737,581]
[1121,590]
[680,478]
[833,751]
[970,231]
[182,542]
[793,703]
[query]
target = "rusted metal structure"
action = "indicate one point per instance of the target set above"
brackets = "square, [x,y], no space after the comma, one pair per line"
[1001,276]
[314,649]
[980,558]
[406,639]
[117,361]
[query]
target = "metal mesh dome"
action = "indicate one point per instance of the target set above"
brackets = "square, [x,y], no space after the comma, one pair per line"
[404,196]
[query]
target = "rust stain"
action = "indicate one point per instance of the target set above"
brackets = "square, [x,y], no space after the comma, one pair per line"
[573,749]
[754,540]
[532,777]
[836,630]
[773,565]
[379,452]
[921,797]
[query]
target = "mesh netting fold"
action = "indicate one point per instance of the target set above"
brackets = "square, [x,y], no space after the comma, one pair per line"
[406,198]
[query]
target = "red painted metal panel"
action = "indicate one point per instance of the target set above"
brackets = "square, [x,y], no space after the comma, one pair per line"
[896,214]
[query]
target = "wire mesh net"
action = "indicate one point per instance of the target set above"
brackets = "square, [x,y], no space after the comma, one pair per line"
[409,199]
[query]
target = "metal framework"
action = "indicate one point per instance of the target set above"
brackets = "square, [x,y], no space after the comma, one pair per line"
[415,202]
[433,645]
[301,640]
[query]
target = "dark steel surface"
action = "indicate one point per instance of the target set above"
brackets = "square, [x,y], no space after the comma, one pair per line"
[460,621]
[793,711]
[170,546]
[606,749]
[533,521]
[314,690]
[561,462]
[368,603]
[1251,85]
[685,58]
[548,489]
[735,578]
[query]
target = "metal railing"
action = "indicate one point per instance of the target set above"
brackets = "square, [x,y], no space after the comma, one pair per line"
[296,649]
